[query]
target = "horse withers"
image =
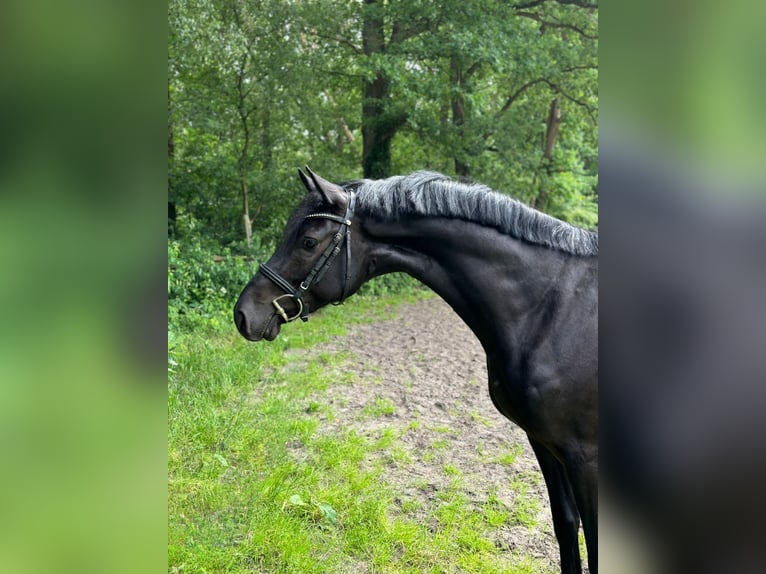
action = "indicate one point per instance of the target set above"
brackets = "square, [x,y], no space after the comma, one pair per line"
[524,282]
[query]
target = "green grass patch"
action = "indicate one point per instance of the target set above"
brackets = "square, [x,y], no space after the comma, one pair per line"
[256,484]
[480,419]
[507,455]
[525,508]
[379,407]
[441,444]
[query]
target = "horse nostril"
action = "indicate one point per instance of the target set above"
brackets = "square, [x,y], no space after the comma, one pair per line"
[240,321]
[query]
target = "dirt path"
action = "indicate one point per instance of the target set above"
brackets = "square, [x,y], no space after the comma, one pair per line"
[422,374]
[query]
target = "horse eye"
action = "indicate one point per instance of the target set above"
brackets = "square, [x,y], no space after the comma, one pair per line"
[309,242]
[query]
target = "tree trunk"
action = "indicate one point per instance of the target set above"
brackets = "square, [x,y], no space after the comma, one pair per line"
[244,156]
[246,211]
[551,133]
[552,129]
[345,135]
[267,142]
[376,149]
[379,125]
[171,155]
[458,116]
[376,138]
[245,204]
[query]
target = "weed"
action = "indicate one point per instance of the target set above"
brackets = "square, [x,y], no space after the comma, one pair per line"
[476,417]
[507,456]
[379,407]
[440,444]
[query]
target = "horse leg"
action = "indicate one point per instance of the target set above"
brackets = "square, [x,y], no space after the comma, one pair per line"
[584,478]
[566,521]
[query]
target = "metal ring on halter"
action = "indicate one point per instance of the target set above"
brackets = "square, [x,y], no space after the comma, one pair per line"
[281,311]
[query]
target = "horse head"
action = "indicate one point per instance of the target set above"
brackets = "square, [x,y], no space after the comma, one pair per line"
[312,266]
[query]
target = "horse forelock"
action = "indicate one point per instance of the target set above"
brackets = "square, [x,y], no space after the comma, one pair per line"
[428,193]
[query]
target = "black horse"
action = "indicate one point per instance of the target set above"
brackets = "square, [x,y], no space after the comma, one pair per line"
[524,282]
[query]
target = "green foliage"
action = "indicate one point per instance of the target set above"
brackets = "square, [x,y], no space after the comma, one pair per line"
[204,281]
[257,90]
[200,179]
[392,284]
[314,510]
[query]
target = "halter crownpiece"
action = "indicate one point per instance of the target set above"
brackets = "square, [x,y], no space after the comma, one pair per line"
[319,268]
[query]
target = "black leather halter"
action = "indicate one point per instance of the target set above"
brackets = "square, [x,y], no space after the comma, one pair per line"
[320,267]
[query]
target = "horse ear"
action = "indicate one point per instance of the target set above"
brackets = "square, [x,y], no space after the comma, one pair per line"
[310,187]
[333,193]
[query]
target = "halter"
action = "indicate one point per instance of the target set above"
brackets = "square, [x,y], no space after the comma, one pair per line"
[320,267]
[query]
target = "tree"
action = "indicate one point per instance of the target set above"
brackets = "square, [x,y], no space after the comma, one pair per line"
[374,88]
[381,118]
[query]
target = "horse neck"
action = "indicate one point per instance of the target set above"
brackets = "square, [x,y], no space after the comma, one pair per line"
[490,279]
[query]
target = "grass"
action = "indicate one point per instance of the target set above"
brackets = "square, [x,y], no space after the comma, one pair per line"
[379,407]
[253,487]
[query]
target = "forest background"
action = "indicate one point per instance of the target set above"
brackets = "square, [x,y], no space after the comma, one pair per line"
[501,93]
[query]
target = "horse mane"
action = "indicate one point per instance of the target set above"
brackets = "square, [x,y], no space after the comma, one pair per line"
[428,193]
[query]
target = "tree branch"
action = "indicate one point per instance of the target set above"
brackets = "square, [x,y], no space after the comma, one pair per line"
[394,123]
[400,33]
[528,5]
[582,67]
[552,24]
[470,71]
[344,41]
[337,73]
[517,94]
[579,3]
[538,80]
[588,108]
[536,3]
[513,97]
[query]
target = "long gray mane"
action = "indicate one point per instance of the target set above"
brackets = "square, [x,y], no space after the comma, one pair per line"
[433,194]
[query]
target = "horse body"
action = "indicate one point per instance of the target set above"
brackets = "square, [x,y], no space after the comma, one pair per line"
[533,309]
[535,312]
[532,306]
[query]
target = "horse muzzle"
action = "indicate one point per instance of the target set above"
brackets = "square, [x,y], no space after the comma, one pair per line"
[256,322]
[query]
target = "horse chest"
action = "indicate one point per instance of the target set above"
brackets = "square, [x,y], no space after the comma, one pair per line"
[514,393]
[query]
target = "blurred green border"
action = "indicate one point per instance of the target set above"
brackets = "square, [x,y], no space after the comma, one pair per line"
[83,105]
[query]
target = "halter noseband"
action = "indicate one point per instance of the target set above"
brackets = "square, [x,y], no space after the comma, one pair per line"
[320,267]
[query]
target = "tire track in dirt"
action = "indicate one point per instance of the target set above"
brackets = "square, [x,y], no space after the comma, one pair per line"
[422,373]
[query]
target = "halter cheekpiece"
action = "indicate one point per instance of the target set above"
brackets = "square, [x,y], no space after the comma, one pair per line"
[320,267]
